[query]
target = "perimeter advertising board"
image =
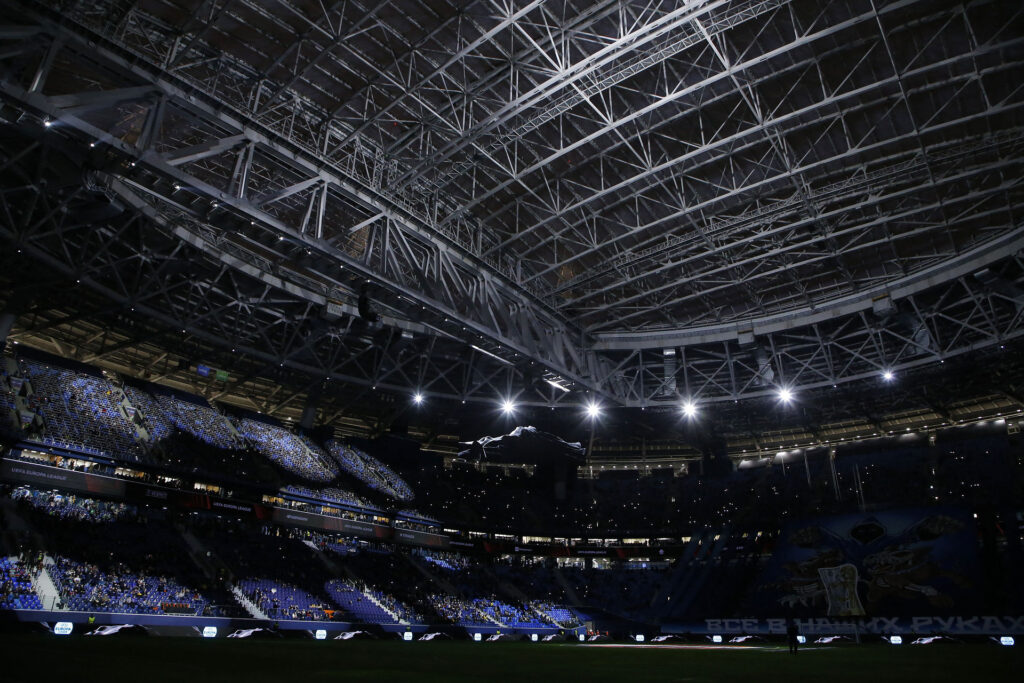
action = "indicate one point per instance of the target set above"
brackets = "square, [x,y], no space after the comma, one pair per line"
[50,477]
[311,520]
[420,538]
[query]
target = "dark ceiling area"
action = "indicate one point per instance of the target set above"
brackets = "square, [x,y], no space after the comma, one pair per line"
[559,204]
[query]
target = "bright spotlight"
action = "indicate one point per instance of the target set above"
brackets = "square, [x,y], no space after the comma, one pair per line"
[785,395]
[888,376]
[417,399]
[47,123]
[508,406]
[689,409]
[593,410]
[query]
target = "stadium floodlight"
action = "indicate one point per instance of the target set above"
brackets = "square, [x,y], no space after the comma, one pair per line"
[47,123]
[593,410]
[689,409]
[418,398]
[888,376]
[785,394]
[508,406]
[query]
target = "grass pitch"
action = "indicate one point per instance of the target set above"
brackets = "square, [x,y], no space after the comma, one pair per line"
[35,658]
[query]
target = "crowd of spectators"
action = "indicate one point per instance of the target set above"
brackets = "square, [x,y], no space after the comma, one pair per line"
[149,413]
[480,583]
[369,470]
[416,514]
[16,591]
[288,451]
[451,562]
[279,573]
[10,387]
[81,411]
[532,575]
[329,510]
[627,590]
[388,570]
[508,614]
[117,588]
[457,610]
[560,615]
[199,420]
[113,557]
[396,607]
[628,503]
[382,609]
[88,410]
[190,437]
[338,545]
[328,494]
[85,410]
[70,506]
[282,600]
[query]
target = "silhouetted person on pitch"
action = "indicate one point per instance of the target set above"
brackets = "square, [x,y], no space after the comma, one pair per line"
[791,634]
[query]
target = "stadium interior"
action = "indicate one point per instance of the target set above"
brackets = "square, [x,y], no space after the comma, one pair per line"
[627,331]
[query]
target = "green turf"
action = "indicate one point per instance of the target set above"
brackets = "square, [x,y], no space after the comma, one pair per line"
[136,660]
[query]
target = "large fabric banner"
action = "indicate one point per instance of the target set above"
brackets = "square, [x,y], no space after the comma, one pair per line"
[917,561]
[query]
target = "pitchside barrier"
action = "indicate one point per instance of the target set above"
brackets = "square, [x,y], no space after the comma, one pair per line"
[225,625]
[960,626]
